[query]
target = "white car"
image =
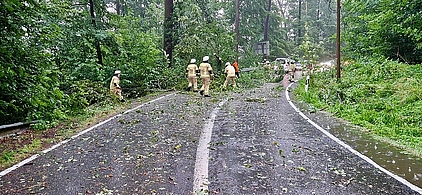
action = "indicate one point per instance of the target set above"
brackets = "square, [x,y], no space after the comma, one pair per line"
[283,62]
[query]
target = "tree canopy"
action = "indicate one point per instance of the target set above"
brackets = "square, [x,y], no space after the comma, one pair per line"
[390,28]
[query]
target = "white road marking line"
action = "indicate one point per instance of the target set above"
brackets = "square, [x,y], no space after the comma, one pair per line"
[20,164]
[367,159]
[200,176]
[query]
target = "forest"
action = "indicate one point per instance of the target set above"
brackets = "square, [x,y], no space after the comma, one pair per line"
[58,56]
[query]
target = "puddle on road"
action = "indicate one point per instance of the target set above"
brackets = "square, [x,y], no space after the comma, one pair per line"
[391,158]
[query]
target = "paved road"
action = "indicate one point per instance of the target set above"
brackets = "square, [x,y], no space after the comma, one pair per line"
[257,145]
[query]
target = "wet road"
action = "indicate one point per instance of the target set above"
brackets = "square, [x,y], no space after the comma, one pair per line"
[264,147]
[255,143]
[387,156]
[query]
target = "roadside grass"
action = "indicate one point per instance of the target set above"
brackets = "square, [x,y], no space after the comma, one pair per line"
[380,95]
[9,157]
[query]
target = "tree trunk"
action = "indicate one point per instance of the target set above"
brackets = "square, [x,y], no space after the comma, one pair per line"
[299,28]
[97,43]
[267,21]
[266,26]
[168,27]
[118,7]
[318,17]
[283,15]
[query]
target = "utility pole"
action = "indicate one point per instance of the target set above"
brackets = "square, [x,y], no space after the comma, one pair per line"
[338,39]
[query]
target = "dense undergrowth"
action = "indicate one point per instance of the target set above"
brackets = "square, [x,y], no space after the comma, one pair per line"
[380,95]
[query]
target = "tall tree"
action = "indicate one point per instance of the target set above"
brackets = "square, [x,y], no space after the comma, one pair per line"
[267,24]
[390,28]
[267,21]
[299,26]
[96,42]
[118,7]
[168,30]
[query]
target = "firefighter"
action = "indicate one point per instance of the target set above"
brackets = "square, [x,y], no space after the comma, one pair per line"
[230,71]
[292,70]
[191,72]
[267,65]
[115,88]
[205,70]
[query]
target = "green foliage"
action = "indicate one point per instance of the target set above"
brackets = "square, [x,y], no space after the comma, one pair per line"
[390,28]
[139,57]
[50,69]
[7,156]
[381,95]
[310,51]
[84,93]
[21,61]
[198,37]
[255,78]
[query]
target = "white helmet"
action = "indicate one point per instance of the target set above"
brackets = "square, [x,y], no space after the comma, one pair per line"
[228,64]
[206,58]
[192,61]
[117,72]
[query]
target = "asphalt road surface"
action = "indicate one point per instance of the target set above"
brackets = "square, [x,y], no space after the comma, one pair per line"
[235,143]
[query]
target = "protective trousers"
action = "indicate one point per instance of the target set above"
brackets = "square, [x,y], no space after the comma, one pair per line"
[193,82]
[206,85]
[291,75]
[117,92]
[232,79]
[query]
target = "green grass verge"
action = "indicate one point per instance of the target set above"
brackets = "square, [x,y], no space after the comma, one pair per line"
[380,95]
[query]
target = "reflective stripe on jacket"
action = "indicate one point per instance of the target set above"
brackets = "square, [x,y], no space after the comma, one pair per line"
[204,68]
[115,80]
[230,71]
[192,68]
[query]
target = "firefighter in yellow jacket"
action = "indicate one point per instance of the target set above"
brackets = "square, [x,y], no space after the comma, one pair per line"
[206,74]
[230,71]
[115,88]
[292,70]
[191,72]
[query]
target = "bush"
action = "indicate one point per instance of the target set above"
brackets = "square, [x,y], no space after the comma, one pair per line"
[81,94]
